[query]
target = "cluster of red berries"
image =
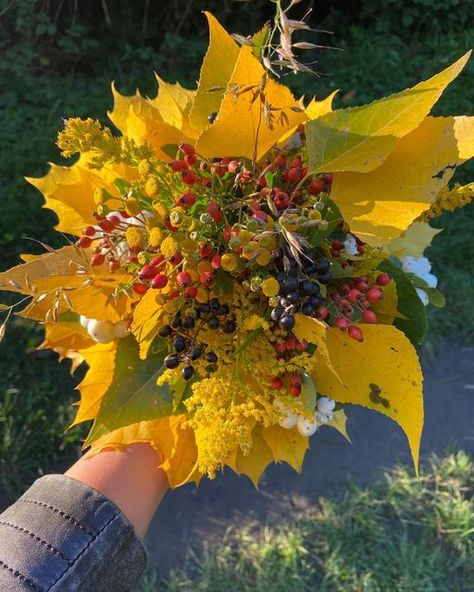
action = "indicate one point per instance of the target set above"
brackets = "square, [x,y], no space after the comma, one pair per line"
[289,380]
[352,301]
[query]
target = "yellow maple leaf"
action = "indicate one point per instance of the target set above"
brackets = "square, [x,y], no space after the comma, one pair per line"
[256,461]
[148,317]
[101,361]
[339,423]
[361,138]
[382,373]
[382,204]
[317,108]
[216,71]
[64,338]
[174,444]
[68,191]
[413,242]
[241,128]
[286,445]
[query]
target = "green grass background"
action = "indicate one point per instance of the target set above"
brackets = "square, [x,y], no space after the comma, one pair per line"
[57,59]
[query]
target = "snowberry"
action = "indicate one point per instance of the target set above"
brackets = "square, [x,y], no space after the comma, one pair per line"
[121,329]
[84,321]
[307,427]
[423,296]
[323,418]
[101,331]
[350,245]
[325,404]
[430,279]
[416,266]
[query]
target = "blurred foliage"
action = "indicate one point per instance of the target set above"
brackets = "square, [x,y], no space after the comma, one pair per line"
[57,59]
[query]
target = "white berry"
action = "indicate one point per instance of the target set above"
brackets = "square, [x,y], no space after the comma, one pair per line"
[307,427]
[325,404]
[101,331]
[121,329]
[84,321]
[289,421]
[430,279]
[423,296]
[350,245]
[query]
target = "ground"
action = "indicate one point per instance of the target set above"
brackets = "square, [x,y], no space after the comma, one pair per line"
[192,516]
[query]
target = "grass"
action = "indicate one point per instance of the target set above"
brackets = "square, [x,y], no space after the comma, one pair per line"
[402,535]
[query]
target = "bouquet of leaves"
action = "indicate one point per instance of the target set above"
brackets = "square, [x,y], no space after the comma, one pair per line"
[240,265]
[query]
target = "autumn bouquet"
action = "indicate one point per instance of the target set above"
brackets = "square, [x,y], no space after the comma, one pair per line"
[242,264]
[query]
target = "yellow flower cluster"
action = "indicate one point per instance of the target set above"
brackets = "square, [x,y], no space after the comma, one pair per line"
[449,200]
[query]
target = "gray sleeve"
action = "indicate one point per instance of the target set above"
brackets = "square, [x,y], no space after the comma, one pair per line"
[62,535]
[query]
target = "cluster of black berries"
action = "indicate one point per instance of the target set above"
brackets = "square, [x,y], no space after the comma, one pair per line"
[298,291]
[185,348]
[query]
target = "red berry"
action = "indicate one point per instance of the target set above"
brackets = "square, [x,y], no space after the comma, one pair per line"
[187,149]
[176,259]
[147,272]
[189,177]
[183,278]
[296,163]
[280,347]
[302,345]
[159,281]
[214,210]
[369,316]
[290,343]
[277,383]
[227,232]
[323,312]
[174,294]
[353,295]
[190,160]
[260,215]
[293,175]
[191,292]
[337,245]
[84,242]
[156,261]
[206,251]
[315,187]
[89,231]
[216,262]
[97,259]
[233,166]
[114,265]
[106,225]
[178,165]
[362,285]
[342,323]
[140,288]
[280,161]
[383,279]
[295,378]
[114,219]
[170,226]
[132,259]
[374,295]
[188,199]
[295,390]
[206,278]
[355,333]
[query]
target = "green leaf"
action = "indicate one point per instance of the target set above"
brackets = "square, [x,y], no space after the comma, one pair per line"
[415,325]
[122,185]
[170,150]
[359,139]
[259,40]
[308,393]
[133,395]
[223,283]
[3,307]
[332,216]
[436,297]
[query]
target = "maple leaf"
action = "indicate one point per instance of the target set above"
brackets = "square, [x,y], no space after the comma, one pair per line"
[381,373]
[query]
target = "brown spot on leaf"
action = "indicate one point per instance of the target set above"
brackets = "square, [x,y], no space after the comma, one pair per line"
[375,396]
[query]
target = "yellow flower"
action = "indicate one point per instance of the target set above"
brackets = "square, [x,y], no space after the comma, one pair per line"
[255,322]
[270,287]
[264,258]
[155,238]
[169,247]
[144,167]
[229,262]
[151,186]
[133,206]
[160,211]
[134,236]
